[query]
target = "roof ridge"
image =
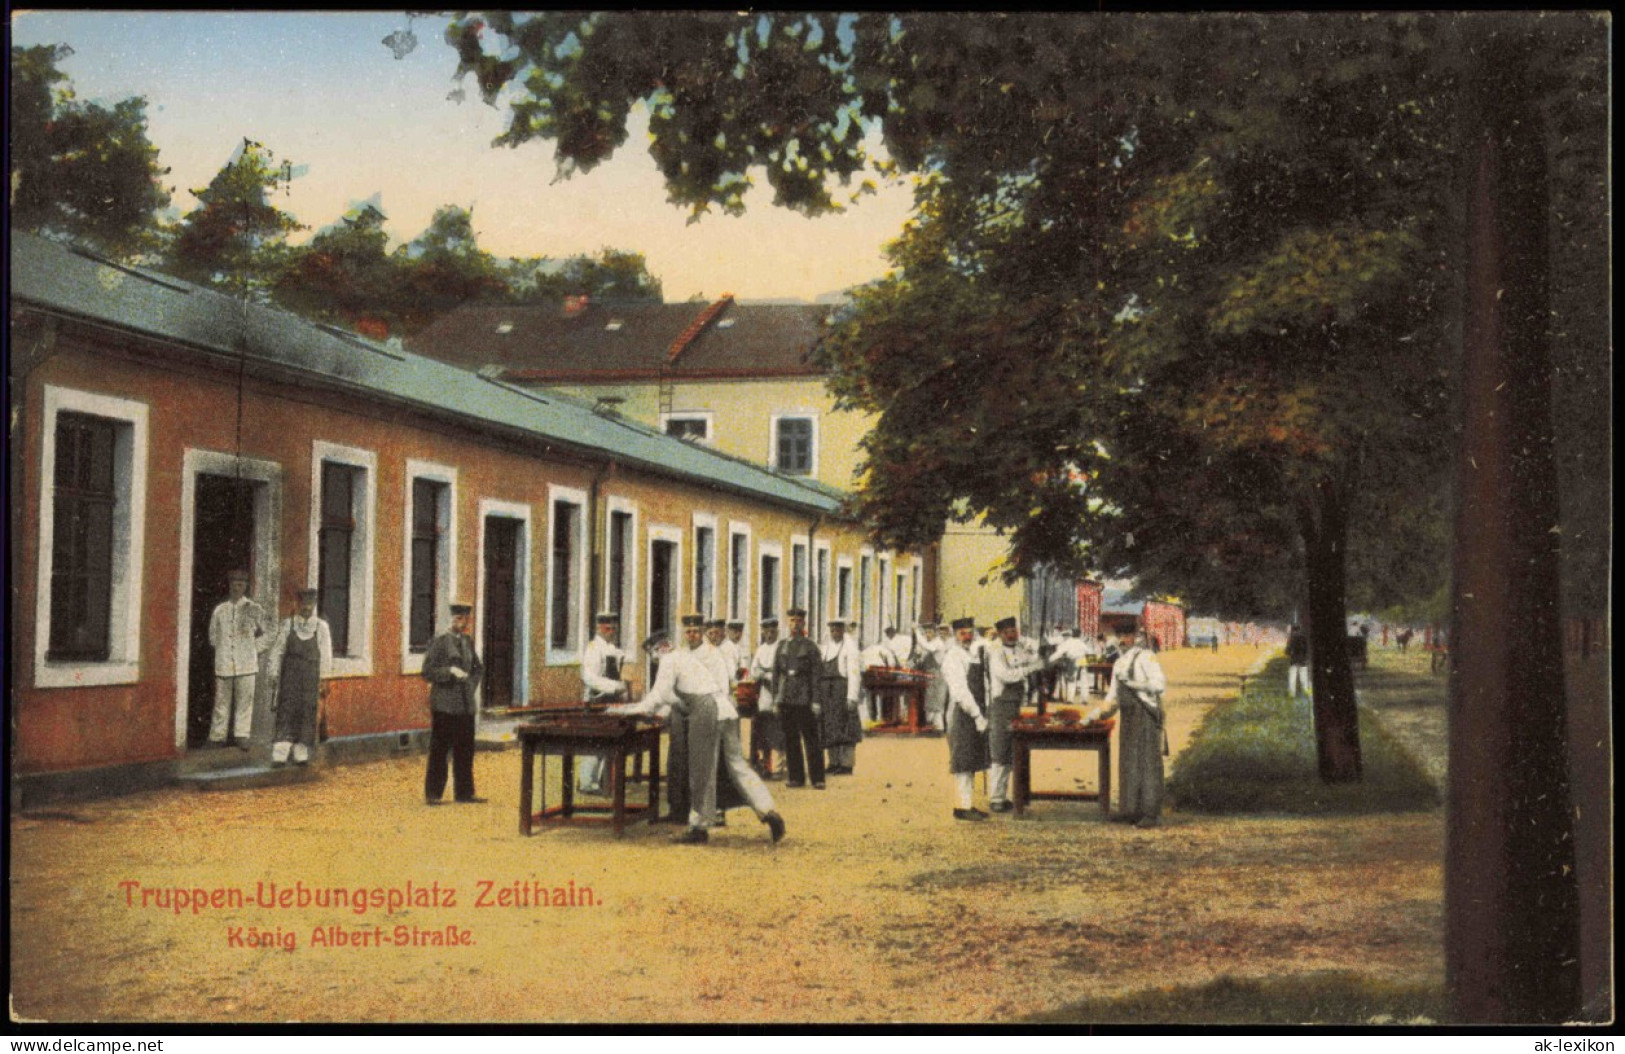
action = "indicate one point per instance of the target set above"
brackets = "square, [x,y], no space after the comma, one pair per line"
[695,328]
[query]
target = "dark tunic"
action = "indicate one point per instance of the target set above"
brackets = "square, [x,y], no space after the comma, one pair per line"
[968,748]
[1005,709]
[299,685]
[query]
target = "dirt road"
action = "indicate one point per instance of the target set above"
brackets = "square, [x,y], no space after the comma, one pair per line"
[878,907]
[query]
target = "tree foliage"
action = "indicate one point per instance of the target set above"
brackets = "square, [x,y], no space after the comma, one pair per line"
[237,238]
[80,168]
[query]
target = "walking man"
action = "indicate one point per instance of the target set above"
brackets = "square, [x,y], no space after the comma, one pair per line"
[239,632]
[453,668]
[692,680]
[795,680]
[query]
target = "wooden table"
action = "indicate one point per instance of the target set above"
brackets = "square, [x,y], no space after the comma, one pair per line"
[615,736]
[1102,674]
[899,701]
[1028,734]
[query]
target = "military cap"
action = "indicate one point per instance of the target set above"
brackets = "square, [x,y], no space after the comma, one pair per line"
[797,613]
[964,623]
[715,623]
[462,609]
[609,616]
[306,594]
[693,620]
[769,622]
[736,625]
[1005,623]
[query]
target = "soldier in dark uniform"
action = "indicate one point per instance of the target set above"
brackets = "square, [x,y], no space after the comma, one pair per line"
[795,676]
[452,668]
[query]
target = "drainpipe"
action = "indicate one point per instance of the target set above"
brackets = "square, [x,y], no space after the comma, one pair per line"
[595,561]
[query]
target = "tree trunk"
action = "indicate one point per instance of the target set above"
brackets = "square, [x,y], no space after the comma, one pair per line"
[1337,721]
[1511,896]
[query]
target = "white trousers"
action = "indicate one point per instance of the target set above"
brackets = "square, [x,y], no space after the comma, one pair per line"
[965,784]
[233,693]
[998,782]
[1297,677]
[282,748]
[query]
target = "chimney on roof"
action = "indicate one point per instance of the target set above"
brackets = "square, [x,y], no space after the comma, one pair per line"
[575,305]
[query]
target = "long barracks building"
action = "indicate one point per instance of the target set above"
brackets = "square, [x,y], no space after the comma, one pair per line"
[163,434]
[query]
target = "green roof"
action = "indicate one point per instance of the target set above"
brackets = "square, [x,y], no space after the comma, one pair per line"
[78,284]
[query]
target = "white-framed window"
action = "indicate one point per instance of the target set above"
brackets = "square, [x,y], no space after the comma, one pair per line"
[343,489]
[705,564]
[906,618]
[665,581]
[621,568]
[798,579]
[793,444]
[844,591]
[916,573]
[429,571]
[566,575]
[821,583]
[772,580]
[92,533]
[739,571]
[689,424]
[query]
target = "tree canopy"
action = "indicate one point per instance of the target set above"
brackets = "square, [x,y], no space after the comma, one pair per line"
[80,168]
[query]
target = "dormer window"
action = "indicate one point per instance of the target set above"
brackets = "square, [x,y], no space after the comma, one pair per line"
[726,323]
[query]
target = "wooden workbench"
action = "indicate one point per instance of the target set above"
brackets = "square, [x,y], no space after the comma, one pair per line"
[1054,733]
[567,735]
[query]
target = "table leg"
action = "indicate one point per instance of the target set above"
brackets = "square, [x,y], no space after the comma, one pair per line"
[1106,779]
[567,772]
[617,760]
[526,788]
[654,780]
[1022,775]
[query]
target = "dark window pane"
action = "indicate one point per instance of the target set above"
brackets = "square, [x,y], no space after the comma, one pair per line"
[686,427]
[82,539]
[563,567]
[427,497]
[335,550]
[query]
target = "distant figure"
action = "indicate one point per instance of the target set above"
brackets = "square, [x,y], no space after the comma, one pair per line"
[1404,637]
[1297,663]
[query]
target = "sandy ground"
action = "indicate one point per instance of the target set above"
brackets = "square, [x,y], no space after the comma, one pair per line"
[878,907]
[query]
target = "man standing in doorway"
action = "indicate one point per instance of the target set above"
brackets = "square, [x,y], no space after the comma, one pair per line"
[1013,661]
[453,669]
[795,681]
[239,632]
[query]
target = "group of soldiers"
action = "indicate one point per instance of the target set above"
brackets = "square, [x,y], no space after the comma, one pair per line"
[811,708]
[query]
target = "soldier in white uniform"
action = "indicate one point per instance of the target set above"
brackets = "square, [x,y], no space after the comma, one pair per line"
[693,679]
[1012,661]
[239,631]
[766,734]
[734,650]
[967,724]
[841,679]
[601,682]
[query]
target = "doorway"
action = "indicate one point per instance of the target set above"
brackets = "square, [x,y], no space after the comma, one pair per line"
[222,541]
[499,622]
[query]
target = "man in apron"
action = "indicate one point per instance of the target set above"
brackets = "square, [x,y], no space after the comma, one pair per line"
[840,681]
[600,683]
[1136,692]
[967,720]
[301,662]
[766,735]
[1012,661]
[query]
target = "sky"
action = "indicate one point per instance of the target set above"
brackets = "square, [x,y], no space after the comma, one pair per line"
[322,91]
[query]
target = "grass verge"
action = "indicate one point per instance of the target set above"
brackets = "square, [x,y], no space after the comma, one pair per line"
[1323,998]
[1257,754]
